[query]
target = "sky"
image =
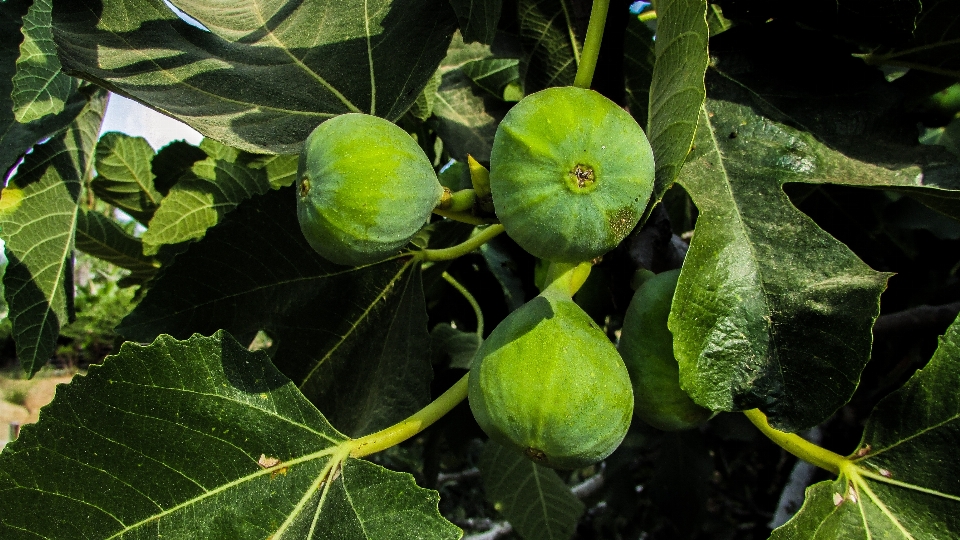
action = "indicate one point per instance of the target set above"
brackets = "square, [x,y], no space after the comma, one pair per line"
[134,119]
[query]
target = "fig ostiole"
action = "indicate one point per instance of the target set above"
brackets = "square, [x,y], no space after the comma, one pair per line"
[646,346]
[571,174]
[365,189]
[548,383]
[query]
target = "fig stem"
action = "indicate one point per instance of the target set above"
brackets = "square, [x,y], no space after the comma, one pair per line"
[463,217]
[469,298]
[591,45]
[798,446]
[413,424]
[459,250]
[567,278]
[458,201]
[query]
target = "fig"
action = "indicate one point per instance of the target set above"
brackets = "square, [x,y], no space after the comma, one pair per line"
[570,174]
[646,346]
[365,189]
[549,383]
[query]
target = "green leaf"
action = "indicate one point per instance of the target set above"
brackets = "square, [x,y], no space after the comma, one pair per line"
[353,339]
[903,480]
[103,238]
[716,21]
[533,498]
[422,108]
[493,74]
[17,138]
[171,162]
[453,347]
[39,87]
[124,178]
[638,61]
[38,212]
[770,311]
[478,19]
[677,89]
[281,170]
[935,46]
[551,44]
[264,75]
[199,439]
[466,117]
[200,199]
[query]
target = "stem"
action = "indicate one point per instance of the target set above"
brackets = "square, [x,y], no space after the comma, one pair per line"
[798,446]
[459,250]
[458,201]
[463,217]
[591,45]
[470,299]
[415,423]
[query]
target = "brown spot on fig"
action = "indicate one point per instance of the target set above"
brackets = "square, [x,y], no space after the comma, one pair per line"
[304,187]
[621,222]
[535,454]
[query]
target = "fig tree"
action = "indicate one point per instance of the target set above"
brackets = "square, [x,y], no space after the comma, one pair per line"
[365,188]
[549,383]
[570,174]
[646,346]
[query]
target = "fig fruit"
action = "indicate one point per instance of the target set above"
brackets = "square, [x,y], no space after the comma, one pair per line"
[570,174]
[365,188]
[549,383]
[646,346]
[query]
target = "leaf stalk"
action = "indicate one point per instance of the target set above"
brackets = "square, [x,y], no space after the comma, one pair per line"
[459,250]
[798,446]
[591,45]
[415,423]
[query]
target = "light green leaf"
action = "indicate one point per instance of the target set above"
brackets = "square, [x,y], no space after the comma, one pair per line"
[38,213]
[281,170]
[904,480]
[478,19]
[17,138]
[266,73]
[551,44]
[39,88]
[124,178]
[770,311]
[533,498]
[354,340]
[200,199]
[103,238]
[493,74]
[199,439]
[422,108]
[677,89]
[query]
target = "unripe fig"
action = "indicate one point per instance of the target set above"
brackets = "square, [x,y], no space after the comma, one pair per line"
[646,346]
[549,383]
[570,173]
[365,188]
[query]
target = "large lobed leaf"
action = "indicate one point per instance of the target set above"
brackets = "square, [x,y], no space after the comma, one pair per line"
[261,75]
[904,481]
[771,311]
[38,213]
[551,43]
[353,339]
[198,439]
[533,498]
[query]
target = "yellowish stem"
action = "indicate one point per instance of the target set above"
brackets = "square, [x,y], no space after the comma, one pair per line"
[798,446]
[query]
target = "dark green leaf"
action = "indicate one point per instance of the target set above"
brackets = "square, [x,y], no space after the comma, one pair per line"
[504,269]
[677,89]
[353,339]
[493,74]
[38,212]
[124,178]
[770,311]
[212,188]
[199,439]
[171,162]
[533,498]
[478,19]
[422,108]
[904,481]
[39,88]
[103,238]
[551,43]
[935,46]
[264,75]
[638,60]
[453,347]
[716,21]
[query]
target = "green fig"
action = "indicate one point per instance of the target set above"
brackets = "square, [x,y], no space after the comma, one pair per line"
[365,189]
[570,174]
[646,346]
[549,383]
